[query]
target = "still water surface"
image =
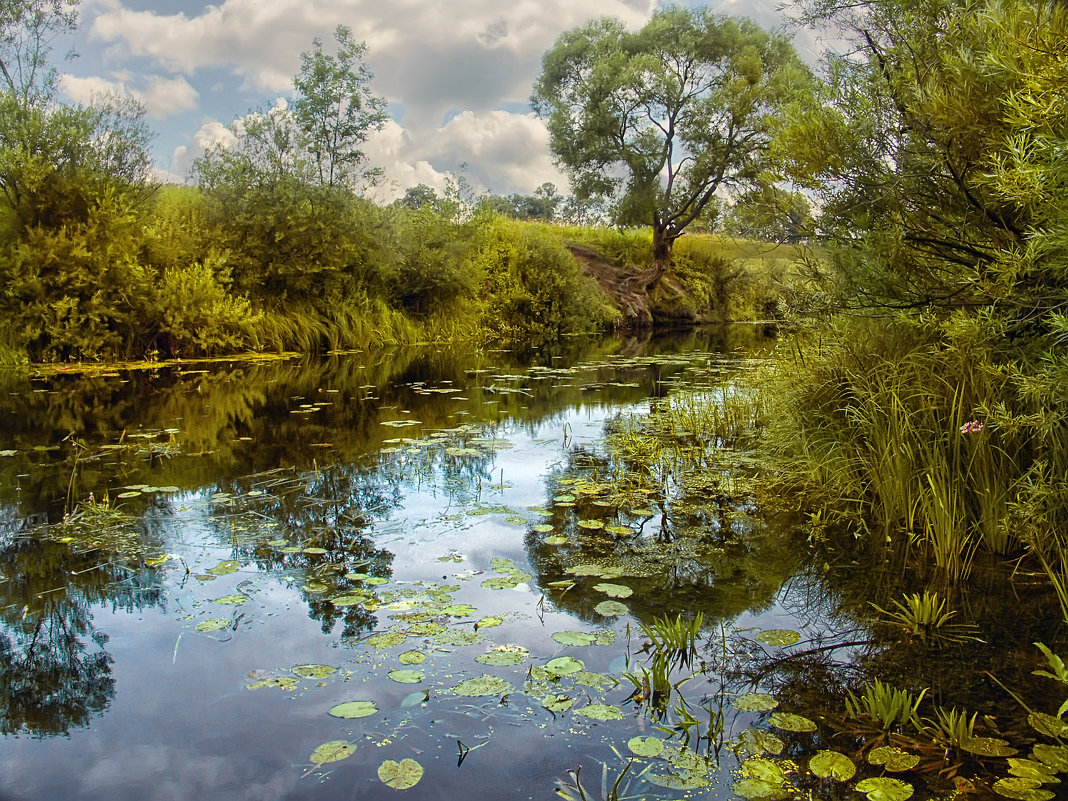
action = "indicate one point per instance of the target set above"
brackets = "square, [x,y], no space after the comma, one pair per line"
[444,537]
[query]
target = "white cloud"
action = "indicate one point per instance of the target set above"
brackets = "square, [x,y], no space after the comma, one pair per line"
[161,97]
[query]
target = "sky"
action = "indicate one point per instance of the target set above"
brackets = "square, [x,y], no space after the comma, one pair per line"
[457,74]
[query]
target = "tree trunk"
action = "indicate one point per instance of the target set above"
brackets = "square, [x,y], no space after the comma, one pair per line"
[664,237]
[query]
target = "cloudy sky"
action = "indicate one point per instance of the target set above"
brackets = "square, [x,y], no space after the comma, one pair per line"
[457,73]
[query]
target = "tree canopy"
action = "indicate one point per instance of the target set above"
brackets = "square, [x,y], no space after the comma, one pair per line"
[658,121]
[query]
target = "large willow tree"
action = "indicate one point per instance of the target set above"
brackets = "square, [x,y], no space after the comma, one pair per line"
[657,122]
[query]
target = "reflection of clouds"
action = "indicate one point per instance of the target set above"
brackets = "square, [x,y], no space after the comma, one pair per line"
[181,774]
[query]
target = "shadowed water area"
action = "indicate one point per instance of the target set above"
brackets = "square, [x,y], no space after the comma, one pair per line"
[427,572]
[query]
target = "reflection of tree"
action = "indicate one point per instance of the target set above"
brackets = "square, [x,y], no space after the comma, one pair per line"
[55,673]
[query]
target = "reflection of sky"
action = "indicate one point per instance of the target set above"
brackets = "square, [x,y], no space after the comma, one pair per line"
[183,725]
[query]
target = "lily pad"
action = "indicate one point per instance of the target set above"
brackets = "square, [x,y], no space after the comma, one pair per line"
[832,765]
[987,746]
[882,788]
[412,658]
[213,624]
[1056,756]
[893,759]
[230,600]
[591,525]
[576,638]
[502,655]
[791,722]
[489,622]
[646,746]
[758,789]
[459,610]
[557,703]
[483,686]
[354,709]
[333,751]
[386,639]
[351,599]
[588,678]
[779,637]
[601,712]
[1022,789]
[400,775]
[755,702]
[281,682]
[758,741]
[677,781]
[556,539]
[404,676]
[614,590]
[1030,769]
[563,665]
[224,568]
[611,608]
[543,528]
[313,671]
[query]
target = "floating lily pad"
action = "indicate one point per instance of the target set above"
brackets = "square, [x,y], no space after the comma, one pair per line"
[555,540]
[400,775]
[224,568]
[459,610]
[386,639]
[351,599]
[563,665]
[403,676]
[577,638]
[313,671]
[832,765]
[604,637]
[457,637]
[333,751]
[543,528]
[557,703]
[893,759]
[588,678]
[780,637]
[354,709]
[614,590]
[591,525]
[883,788]
[425,629]
[315,550]
[611,608]
[987,746]
[646,746]
[1022,789]
[791,722]
[213,624]
[483,686]
[758,741]
[601,712]
[230,600]
[128,494]
[1056,756]
[1030,769]
[758,789]
[765,770]
[1048,725]
[755,702]
[412,658]
[503,655]
[376,581]
[676,781]
[489,622]
[281,682]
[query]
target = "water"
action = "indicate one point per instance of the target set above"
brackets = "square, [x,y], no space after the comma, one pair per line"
[254,544]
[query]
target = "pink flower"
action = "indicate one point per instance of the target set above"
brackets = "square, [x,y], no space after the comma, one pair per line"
[974,427]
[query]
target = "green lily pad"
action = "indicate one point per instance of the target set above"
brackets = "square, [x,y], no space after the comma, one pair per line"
[646,746]
[604,637]
[755,702]
[791,722]
[404,676]
[611,608]
[893,759]
[412,658]
[489,622]
[376,581]
[588,678]
[677,781]
[400,775]
[765,770]
[614,590]
[509,582]
[333,751]
[601,712]
[832,765]
[1030,769]
[281,682]
[1056,756]
[502,655]
[882,788]
[987,746]
[543,528]
[555,539]
[313,671]
[758,741]
[315,550]
[386,639]
[458,637]
[224,568]
[591,525]
[353,709]
[758,789]
[459,610]
[1022,789]
[428,629]
[557,703]
[1048,725]
[213,624]
[576,638]
[779,637]
[351,599]
[230,600]
[563,665]
[483,686]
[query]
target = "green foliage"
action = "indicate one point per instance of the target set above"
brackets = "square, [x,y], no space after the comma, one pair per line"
[657,121]
[926,618]
[886,707]
[27,30]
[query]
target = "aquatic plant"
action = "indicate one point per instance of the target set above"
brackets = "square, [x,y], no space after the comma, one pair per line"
[886,707]
[926,618]
[676,639]
[950,727]
[574,790]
